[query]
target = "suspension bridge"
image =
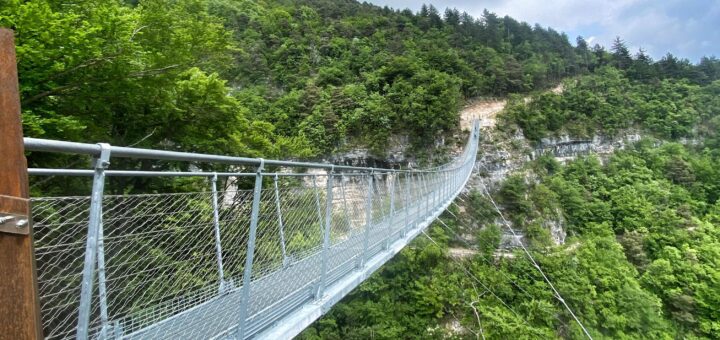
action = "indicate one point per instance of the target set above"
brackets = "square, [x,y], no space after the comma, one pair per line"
[221,261]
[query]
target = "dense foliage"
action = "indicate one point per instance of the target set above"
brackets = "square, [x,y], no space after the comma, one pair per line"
[342,69]
[281,78]
[669,99]
[271,78]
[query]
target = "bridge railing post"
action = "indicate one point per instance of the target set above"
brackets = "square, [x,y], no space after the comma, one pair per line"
[281,226]
[406,204]
[344,199]
[412,183]
[439,188]
[100,163]
[392,210]
[444,188]
[429,194]
[216,229]
[451,188]
[417,203]
[426,195]
[318,208]
[326,234]
[447,185]
[368,220]
[247,273]
[436,188]
[454,181]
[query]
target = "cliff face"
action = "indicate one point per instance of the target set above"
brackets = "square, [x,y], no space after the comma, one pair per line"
[566,148]
[502,154]
[395,157]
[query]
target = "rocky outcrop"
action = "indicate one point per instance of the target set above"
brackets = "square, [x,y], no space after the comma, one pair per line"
[503,153]
[566,148]
[396,156]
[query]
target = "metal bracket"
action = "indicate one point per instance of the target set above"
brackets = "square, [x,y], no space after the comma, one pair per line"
[102,161]
[14,219]
[14,224]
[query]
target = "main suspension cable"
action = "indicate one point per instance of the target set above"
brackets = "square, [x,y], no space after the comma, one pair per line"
[532,259]
[486,260]
[474,278]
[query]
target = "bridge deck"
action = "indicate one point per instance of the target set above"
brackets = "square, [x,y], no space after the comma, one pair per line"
[218,316]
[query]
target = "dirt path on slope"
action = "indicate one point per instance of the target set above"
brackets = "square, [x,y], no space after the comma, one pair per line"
[486,110]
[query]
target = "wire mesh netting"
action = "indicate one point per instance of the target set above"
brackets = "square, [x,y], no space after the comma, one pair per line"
[60,236]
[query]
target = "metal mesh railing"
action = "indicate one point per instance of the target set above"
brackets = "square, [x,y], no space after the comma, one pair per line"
[220,262]
[60,232]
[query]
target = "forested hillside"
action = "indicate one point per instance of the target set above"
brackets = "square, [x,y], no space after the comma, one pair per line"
[641,261]
[270,78]
[280,78]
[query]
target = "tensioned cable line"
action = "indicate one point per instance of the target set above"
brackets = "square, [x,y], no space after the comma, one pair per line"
[486,260]
[470,275]
[532,260]
[81,160]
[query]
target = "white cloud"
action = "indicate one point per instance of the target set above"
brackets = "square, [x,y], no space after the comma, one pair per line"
[564,14]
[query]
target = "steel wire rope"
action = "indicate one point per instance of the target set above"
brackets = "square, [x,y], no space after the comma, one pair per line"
[485,259]
[532,259]
[525,292]
[78,161]
[474,278]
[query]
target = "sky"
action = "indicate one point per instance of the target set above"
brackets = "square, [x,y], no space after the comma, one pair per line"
[686,28]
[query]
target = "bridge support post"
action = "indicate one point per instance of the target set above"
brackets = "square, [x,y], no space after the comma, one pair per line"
[317,203]
[344,198]
[19,302]
[392,211]
[447,185]
[436,190]
[406,205]
[100,163]
[280,221]
[426,195]
[326,234]
[451,178]
[247,273]
[417,204]
[368,220]
[218,240]
[442,187]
